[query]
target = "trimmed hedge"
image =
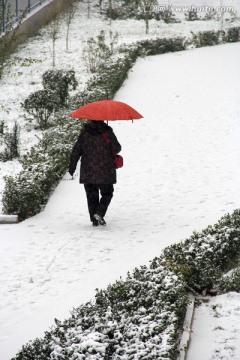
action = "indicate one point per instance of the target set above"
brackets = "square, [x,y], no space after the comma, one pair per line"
[42,168]
[202,259]
[128,320]
[141,317]
[33,186]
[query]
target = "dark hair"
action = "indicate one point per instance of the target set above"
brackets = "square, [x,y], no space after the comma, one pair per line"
[94,126]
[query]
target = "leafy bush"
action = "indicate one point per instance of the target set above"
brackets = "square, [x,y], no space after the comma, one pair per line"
[60,82]
[192,15]
[122,9]
[202,259]
[203,39]
[105,82]
[11,141]
[210,15]
[2,127]
[231,282]
[42,104]
[161,46]
[168,16]
[97,51]
[26,194]
[233,34]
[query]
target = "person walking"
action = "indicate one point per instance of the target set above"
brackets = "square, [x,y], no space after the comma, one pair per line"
[97,170]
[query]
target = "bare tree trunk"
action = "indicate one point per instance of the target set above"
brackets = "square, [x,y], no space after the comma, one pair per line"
[69,16]
[89,8]
[54,28]
[147,24]
[110,12]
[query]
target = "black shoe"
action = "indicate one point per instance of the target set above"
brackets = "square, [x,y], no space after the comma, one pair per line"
[100,220]
[95,222]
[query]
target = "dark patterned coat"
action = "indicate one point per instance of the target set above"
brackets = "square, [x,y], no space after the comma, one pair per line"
[97,160]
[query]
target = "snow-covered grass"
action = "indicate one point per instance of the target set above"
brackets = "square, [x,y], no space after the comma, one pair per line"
[181,173]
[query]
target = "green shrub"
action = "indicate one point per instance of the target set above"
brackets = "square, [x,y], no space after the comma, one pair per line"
[105,83]
[26,194]
[2,127]
[161,46]
[231,282]
[42,104]
[192,15]
[60,82]
[96,52]
[233,34]
[207,38]
[136,318]
[168,16]
[202,259]
[11,141]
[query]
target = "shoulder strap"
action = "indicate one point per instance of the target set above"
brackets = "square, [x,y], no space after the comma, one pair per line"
[108,141]
[105,137]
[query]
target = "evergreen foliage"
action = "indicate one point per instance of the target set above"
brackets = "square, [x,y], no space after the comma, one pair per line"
[202,259]
[11,141]
[42,168]
[2,127]
[42,104]
[96,51]
[60,82]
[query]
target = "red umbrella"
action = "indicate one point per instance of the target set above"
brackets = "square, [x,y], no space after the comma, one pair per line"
[106,110]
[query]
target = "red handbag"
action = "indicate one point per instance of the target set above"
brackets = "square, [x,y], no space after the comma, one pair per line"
[118,159]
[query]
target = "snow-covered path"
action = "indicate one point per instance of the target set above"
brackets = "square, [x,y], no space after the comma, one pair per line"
[215,330]
[181,173]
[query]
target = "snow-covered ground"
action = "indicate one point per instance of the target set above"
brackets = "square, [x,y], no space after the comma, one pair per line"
[215,331]
[25,76]
[181,173]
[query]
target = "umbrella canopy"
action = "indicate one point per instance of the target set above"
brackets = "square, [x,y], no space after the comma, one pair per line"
[106,110]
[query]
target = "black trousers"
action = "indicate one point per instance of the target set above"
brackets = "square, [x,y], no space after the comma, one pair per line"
[97,205]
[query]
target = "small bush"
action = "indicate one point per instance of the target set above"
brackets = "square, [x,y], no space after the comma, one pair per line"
[233,35]
[192,15]
[60,82]
[41,105]
[2,127]
[210,15]
[97,51]
[168,16]
[11,141]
